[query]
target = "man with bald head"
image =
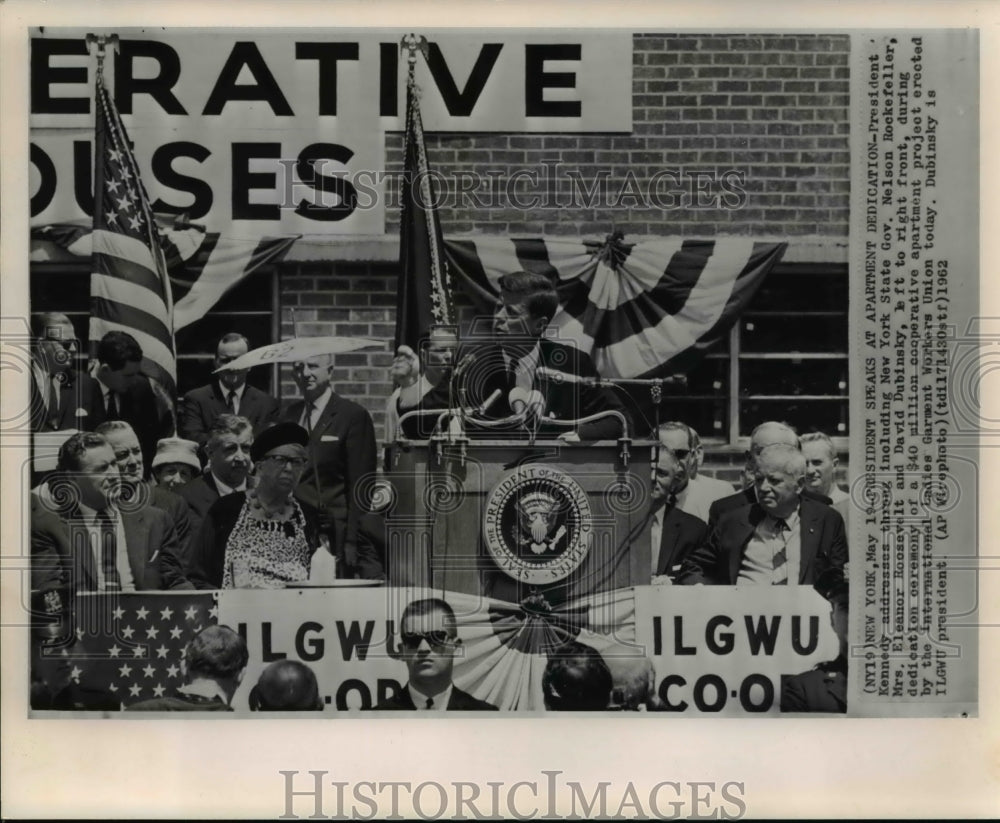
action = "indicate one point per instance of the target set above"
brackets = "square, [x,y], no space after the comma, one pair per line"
[768,433]
[286,686]
[341,456]
[62,397]
[783,538]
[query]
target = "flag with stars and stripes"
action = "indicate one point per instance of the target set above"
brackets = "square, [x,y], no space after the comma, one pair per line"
[129,285]
[130,647]
[203,265]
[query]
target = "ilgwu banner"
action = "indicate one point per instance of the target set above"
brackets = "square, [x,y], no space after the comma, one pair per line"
[275,133]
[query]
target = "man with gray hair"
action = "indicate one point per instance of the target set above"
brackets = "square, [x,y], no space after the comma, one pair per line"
[228,445]
[768,433]
[781,539]
[228,393]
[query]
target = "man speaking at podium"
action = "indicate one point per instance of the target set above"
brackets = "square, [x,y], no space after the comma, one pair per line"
[528,367]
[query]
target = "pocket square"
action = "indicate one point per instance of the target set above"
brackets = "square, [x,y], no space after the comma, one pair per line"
[80,413]
[328,438]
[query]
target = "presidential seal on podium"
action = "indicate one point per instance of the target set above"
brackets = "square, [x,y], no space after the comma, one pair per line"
[537,524]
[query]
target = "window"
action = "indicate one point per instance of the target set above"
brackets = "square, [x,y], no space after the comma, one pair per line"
[785,359]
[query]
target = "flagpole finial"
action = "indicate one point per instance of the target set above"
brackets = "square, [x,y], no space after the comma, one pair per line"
[102,41]
[413,43]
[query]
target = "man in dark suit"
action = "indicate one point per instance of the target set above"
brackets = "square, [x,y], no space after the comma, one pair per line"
[769,433]
[62,397]
[229,440]
[429,640]
[228,393]
[341,457]
[137,492]
[824,689]
[783,539]
[674,534]
[113,546]
[129,395]
[534,374]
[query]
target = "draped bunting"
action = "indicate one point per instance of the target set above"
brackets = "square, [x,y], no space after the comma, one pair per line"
[648,309]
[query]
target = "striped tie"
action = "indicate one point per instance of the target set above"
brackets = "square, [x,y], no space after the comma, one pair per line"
[780,561]
[109,551]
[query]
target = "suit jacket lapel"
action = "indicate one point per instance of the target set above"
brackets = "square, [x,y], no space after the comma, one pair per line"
[136,533]
[808,539]
[326,416]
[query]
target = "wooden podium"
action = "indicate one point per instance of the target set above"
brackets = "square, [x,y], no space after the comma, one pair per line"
[470,516]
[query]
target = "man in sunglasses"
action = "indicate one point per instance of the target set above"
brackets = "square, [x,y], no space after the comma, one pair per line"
[694,493]
[428,643]
[62,397]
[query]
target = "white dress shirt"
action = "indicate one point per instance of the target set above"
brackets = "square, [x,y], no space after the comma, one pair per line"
[440,701]
[766,542]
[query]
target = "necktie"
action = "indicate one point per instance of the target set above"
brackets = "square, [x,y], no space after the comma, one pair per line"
[430,703]
[234,403]
[109,551]
[112,406]
[780,560]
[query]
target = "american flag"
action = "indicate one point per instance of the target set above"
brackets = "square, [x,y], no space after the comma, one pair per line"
[423,296]
[203,265]
[130,646]
[129,289]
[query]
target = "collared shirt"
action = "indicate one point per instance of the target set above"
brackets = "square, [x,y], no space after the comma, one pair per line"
[697,497]
[91,518]
[43,383]
[767,541]
[239,394]
[223,488]
[420,699]
[311,412]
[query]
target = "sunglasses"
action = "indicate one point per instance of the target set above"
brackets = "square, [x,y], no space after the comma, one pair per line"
[435,639]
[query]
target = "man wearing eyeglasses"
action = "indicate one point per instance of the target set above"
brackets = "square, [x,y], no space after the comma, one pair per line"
[429,642]
[62,398]
[694,493]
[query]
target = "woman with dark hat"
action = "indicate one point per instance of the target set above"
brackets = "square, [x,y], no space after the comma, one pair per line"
[262,538]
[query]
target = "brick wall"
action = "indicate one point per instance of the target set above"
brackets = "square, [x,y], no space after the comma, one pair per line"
[772,107]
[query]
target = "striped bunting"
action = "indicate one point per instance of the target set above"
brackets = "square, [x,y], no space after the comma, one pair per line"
[128,284]
[645,310]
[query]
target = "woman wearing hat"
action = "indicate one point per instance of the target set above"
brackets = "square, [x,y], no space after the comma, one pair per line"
[262,538]
[176,462]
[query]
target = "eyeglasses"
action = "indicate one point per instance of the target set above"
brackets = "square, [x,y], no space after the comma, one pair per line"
[435,639]
[680,454]
[280,459]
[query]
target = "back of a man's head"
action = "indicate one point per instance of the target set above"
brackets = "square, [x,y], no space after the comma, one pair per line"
[576,679]
[216,653]
[535,291]
[118,348]
[286,685]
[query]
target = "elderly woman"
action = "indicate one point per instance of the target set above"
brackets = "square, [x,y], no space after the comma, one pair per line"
[262,538]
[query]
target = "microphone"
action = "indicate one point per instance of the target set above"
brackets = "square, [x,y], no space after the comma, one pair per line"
[526,402]
[488,402]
